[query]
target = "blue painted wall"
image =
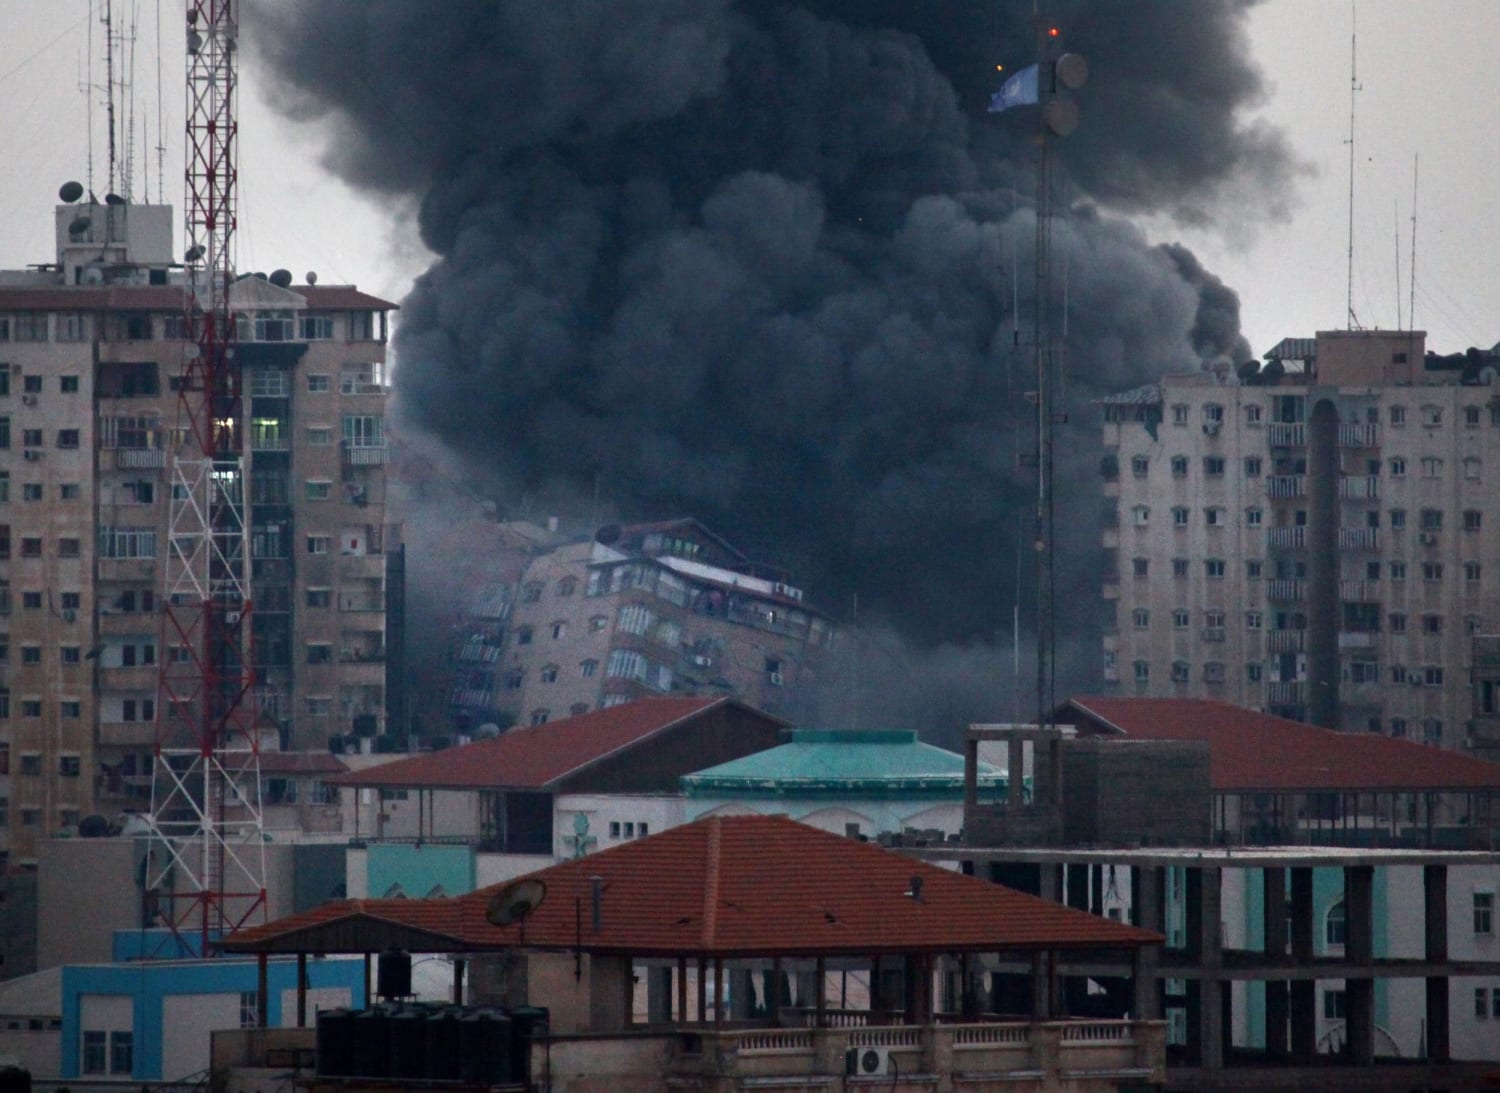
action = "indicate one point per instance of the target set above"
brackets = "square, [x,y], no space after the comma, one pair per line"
[147,984]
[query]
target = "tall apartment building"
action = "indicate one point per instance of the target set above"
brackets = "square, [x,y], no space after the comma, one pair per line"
[1319,539]
[641,609]
[91,344]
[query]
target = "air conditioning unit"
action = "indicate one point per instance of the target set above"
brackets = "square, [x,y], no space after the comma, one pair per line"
[703,662]
[1211,428]
[867,1060]
[28,400]
[777,679]
[69,615]
[32,456]
[1428,538]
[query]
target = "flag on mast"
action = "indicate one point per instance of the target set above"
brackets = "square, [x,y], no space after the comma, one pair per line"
[1019,90]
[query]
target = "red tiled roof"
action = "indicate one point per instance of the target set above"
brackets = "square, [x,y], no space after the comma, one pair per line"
[536,756]
[301,762]
[1256,751]
[732,886]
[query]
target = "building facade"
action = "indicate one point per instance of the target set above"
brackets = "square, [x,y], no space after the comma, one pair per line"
[1317,540]
[91,345]
[651,609]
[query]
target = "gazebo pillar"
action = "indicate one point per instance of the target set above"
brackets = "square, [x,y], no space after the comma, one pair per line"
[367,980]
[702,990]
[822,991]
[682,1010]
[458,980]
[301,990]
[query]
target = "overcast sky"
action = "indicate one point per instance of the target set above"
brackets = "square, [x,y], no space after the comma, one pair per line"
[1426,92]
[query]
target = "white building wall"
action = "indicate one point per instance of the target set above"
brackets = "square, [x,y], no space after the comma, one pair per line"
[187,1020]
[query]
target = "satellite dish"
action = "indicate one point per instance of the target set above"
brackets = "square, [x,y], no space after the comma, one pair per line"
[515,902]
[488,731]
[1072,71]
[113,199]
[312,277]
[609,533]
[93,827]
[70,192]
[194,253]
[1274,370]
[281,277]
[1061,116]
[79,225]
[1248,370]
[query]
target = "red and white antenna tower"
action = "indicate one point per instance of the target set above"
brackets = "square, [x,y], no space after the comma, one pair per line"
[207,866]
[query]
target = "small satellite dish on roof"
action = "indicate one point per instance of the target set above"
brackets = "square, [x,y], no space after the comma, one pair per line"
[1248,370]
[281,278]
[79,225]
[194,252]
[113,199]
[609,533]
[515,902]
[312,277]
[1072,71]
[70,192]
[488,731]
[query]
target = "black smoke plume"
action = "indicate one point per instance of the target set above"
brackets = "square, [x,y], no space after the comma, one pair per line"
[762,263]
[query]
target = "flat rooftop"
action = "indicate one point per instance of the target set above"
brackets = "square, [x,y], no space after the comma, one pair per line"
[1237,857]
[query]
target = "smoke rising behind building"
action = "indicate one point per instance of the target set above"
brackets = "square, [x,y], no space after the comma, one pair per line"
[760,263]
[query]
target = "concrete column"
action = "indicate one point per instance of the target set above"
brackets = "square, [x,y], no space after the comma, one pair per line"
[1147,897]
[1359,948]
[1145,996]
[1273,912]
[1359,1022]
[1435,907]
[1302,916]
[718,990]
[822,990]
[682,1010]
[971,777]
[262,989]
[459,967]
[1304,995]
[1077,894]
[1278,1011]
[1015,772]
[1041,986]
[1049,881]
[1205,923]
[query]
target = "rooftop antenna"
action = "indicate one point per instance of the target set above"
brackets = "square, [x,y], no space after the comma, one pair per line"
[1396,221]
[1411,307]
[109,86]
[161,145]
[1354,88]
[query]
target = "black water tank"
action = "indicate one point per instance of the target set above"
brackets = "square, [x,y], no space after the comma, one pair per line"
[393,974]
[526,1023]
[14,1080]
[336,1043]
[442,1044]
[372,1045]
[408,1030]
[484,1046]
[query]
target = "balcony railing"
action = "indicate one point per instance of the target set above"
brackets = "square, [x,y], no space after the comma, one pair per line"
[1357,640]
[1359,591]
[1363,539]
[1213,633]
[1286,591]
[1365,435]
[1292,538]
[1286,641]
[132,458]
[1284,694]
[1281,435]
[1286,486]
[1359,487]
[367,456]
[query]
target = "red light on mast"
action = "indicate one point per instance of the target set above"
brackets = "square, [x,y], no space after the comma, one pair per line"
[1052,32]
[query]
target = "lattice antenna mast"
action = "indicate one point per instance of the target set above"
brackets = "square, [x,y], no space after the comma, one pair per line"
[208,858]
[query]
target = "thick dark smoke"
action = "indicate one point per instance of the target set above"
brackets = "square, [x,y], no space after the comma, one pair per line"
[757,262]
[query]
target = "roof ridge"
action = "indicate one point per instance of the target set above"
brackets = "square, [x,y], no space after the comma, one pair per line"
[711,881]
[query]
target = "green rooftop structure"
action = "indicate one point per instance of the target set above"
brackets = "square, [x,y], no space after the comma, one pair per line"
[881,781]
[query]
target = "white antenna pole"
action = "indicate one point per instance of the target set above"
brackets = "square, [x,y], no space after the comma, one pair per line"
[1411,309]
[1396,221]
[1354,87]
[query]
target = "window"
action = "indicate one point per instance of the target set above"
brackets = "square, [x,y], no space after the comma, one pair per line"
[1432,519]
[1252,414]
[319,436]
[319,652]
[588,668]
[1472,467]
[364,431]
[121,1052]
[1432,467]
[567,586]
[1473,520]
[1180,516]
[1398,622]
[1213,517]
[598,623]
[1471,571]
[1398,415]
[31,438]
[31,764]
[559,630]
[143,709]
[1142,671]
[68,491]
[1333,1005]
[1213,568]
[318,383]
[1432,675]
[1471,416]
[1180,414]
[1213,672]
[539,717]
[1482,1002]
[67,438]
[1253,620]
[1180,619]
[1398,467]
[1213,413]
[1213,466]
[523,635]
[1432,571]
[31,491]
[1364,671]
[1140,618]
[318,489]
[1140,567]
[1179,567]
[1253,569]
[1139,466]
[1254,672]
[514,678]
[70,654]
[1252,466]
[549,674]
[67,765]
[319,544]
[1432,416]
[1179,466]
[1484,912]
[320,597]
[95,1052]
[1181,671]
[1140,515]
[127,542]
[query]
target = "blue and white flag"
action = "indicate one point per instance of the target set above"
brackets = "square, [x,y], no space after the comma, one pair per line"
[1019,90]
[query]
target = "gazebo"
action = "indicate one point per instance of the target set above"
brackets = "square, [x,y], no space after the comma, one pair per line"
[665,936]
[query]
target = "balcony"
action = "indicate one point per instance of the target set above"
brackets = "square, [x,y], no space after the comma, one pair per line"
[1213,633]
[1362,639]
[1286,591]
[1285,487]
[371,455]
[1292,538]
[1365,435]
[1360,487]
[1286,641]
[1281,435]
[1284,694]
[127,734]
[1362,539]
[139,458]
[1359,591]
